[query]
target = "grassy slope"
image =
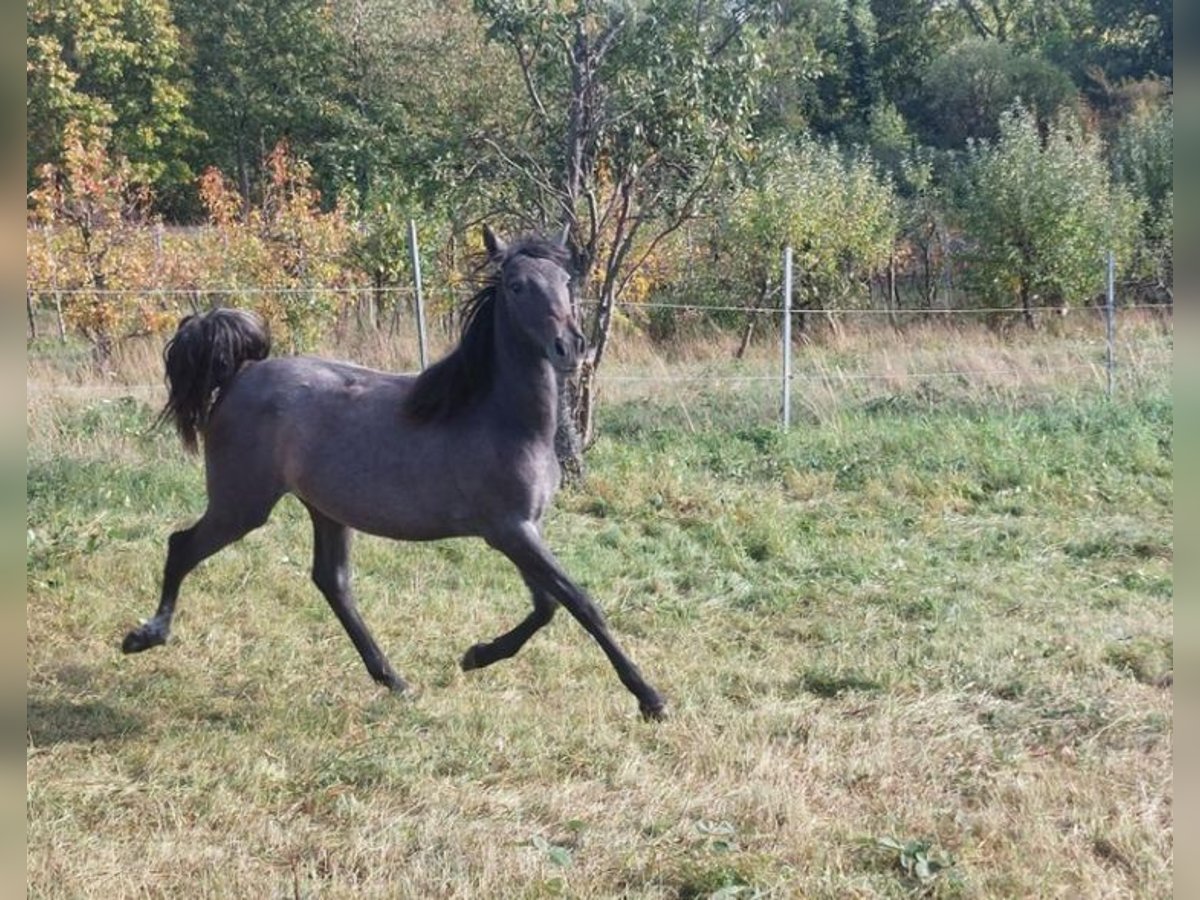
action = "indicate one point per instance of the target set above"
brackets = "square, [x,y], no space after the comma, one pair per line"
[944,625]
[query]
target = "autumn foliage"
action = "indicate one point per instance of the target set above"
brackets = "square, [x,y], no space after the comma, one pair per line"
[110,270]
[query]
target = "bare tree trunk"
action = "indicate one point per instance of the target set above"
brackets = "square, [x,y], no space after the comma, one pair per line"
[58,310]
[1027,307]
[764,293]
[379,310]
[893,298]
[58,316]
[747,334]
[567,446]
[584,397]
[568,443]
[576,396]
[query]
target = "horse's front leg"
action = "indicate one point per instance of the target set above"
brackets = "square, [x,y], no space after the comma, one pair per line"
[488,652]
[521,543]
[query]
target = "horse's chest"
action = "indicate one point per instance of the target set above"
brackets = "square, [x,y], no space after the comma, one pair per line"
[527,482]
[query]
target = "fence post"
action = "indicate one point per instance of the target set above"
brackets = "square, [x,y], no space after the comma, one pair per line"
[1110,319]
[787,337]
[416,267]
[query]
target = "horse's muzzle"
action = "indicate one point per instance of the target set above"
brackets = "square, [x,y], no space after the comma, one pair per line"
[566,352]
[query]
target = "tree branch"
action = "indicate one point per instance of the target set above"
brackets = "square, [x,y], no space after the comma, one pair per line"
[530,87]
[672,226]
[976,19]
[532,170]
[740,16]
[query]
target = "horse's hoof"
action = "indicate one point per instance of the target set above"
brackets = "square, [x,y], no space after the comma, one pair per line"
[470,659]
[656,712]
[142,639]
[395,684]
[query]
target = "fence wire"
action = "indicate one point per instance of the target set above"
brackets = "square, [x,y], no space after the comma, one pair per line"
[718,390]
[407,291]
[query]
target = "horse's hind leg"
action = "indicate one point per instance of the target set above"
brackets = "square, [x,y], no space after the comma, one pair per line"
[488,652]
[331,574]
[186,549]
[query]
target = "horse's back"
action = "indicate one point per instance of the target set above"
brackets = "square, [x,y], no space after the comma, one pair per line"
[336,435]
[283,406]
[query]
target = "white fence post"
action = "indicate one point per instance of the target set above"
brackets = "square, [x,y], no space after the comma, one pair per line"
[1110,319]
[787,337]
[416,267]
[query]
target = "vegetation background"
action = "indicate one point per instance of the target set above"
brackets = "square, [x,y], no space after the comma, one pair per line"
[914,153]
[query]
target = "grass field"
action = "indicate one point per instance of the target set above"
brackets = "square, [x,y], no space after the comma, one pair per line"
[921,645]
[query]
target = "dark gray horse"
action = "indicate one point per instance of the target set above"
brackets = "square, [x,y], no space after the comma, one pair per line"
[466,448]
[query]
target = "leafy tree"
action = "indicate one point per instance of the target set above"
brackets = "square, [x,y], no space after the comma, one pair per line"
[261,73]
[800,49]
[861,76]
[633,109]
[908,38]
[1037,25]
[968,88]
[924,225]
[1041,215]
[418,82]
[106,260]
[292,256]
[837,212]
[107,71]
[1143,162]
[94,244]
[1129,39]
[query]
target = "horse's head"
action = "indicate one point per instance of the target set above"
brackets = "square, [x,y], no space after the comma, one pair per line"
[533,287]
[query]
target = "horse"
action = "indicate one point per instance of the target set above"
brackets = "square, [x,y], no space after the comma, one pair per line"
[465,449]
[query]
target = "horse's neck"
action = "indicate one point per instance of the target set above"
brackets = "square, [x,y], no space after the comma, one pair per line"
[525,393]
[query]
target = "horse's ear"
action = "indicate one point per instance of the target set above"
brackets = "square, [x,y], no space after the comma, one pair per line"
[496,248]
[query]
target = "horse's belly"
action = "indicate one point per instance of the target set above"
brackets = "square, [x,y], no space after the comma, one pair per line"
[419,512]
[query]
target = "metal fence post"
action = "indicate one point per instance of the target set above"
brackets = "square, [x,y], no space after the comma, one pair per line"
[415,256]
[787,337]
[1110,319]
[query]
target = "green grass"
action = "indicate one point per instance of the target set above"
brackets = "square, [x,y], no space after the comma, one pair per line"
[911,648]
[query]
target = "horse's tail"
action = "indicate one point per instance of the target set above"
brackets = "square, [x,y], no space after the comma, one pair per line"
[201,359]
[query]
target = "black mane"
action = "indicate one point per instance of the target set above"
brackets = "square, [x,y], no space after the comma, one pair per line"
[465,374]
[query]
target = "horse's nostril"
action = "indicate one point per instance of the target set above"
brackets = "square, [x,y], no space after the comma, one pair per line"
[559,347]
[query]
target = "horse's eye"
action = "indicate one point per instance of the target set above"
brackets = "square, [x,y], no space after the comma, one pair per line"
[516,287]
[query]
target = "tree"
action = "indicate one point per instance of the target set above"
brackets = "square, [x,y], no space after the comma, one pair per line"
[968,88]
[633,109]
[111,70]
[416,79]
[261,73]
[907,42]
[836,211]
[1128,39]
[1026,24]
[1041,214]
[1143,162]
[92,212]
[292,255]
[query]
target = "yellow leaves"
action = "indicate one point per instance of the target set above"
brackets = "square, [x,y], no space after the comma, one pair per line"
[118,275]
[219,196]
